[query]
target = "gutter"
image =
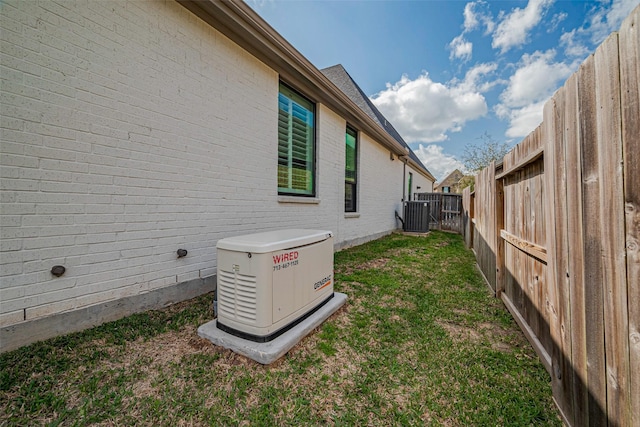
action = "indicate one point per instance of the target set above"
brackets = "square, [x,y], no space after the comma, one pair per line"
[404,177]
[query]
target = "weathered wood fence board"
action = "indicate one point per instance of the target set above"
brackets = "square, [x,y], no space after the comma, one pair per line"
[575,231]
[484,237]
[468,201]
[556,232]
[592,271]
[558,239]
[612,208]
[630,79]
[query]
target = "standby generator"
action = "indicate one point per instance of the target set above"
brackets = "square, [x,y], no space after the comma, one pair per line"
[269,282]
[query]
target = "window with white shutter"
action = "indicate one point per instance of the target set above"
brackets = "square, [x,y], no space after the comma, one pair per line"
[296,144]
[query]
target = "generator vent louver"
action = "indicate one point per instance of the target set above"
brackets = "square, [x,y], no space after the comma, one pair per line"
[237,296]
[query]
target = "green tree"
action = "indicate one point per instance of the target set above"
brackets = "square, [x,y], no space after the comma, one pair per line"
[466,181]
[478,156]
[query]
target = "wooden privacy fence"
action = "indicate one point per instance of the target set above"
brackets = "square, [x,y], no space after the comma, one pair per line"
[445,210]
[556,231]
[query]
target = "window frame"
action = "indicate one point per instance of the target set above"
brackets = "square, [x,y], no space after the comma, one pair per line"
[296,97]
[353,208]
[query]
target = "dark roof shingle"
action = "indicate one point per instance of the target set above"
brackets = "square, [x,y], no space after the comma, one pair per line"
[341,78]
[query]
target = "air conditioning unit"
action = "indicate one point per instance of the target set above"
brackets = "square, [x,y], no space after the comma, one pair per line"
[416,216]
[269,282]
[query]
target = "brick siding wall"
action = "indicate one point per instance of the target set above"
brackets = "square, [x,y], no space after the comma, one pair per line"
[132,129]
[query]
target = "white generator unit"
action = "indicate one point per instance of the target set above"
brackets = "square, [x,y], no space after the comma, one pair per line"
[269,282]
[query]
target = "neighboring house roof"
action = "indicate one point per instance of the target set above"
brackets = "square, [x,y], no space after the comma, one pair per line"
[450,180]
[341,78]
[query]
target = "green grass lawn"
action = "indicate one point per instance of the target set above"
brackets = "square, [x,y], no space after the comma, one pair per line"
[420,341]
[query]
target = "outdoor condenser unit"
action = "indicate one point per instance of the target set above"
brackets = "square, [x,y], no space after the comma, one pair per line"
[269,282]
[416,216]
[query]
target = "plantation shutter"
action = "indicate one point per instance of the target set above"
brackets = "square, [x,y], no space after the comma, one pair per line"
[284,142]
[295,143]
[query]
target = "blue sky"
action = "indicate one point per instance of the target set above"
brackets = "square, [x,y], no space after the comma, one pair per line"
[446,72]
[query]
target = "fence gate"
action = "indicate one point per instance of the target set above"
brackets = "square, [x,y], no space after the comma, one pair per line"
[445,210]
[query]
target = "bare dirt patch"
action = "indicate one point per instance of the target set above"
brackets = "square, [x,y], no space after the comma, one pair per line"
[486,332]
[392,301]
[460,311]
[408,354]
[349,288]
[169,347]
[376,264]
[402,252]
[459,333]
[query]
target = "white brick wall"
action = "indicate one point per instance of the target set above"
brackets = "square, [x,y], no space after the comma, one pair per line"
[132,129]
[379,191]
[419,180]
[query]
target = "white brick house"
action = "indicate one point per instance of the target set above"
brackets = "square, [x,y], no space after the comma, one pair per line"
[132,129]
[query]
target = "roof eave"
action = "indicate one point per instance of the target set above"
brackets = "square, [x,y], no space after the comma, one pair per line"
[408,160]
[422,171]
[241,24]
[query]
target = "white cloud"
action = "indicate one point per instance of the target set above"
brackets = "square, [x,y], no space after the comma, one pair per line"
[476,13]
[535,81]
[515,26]
[439,163]
[574,47]
[474,78]
[602,21]
[538,75]
[423,110]
[470,18]
[536,78]
[556,20]
[606,20]
[522,121]
[461,48]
